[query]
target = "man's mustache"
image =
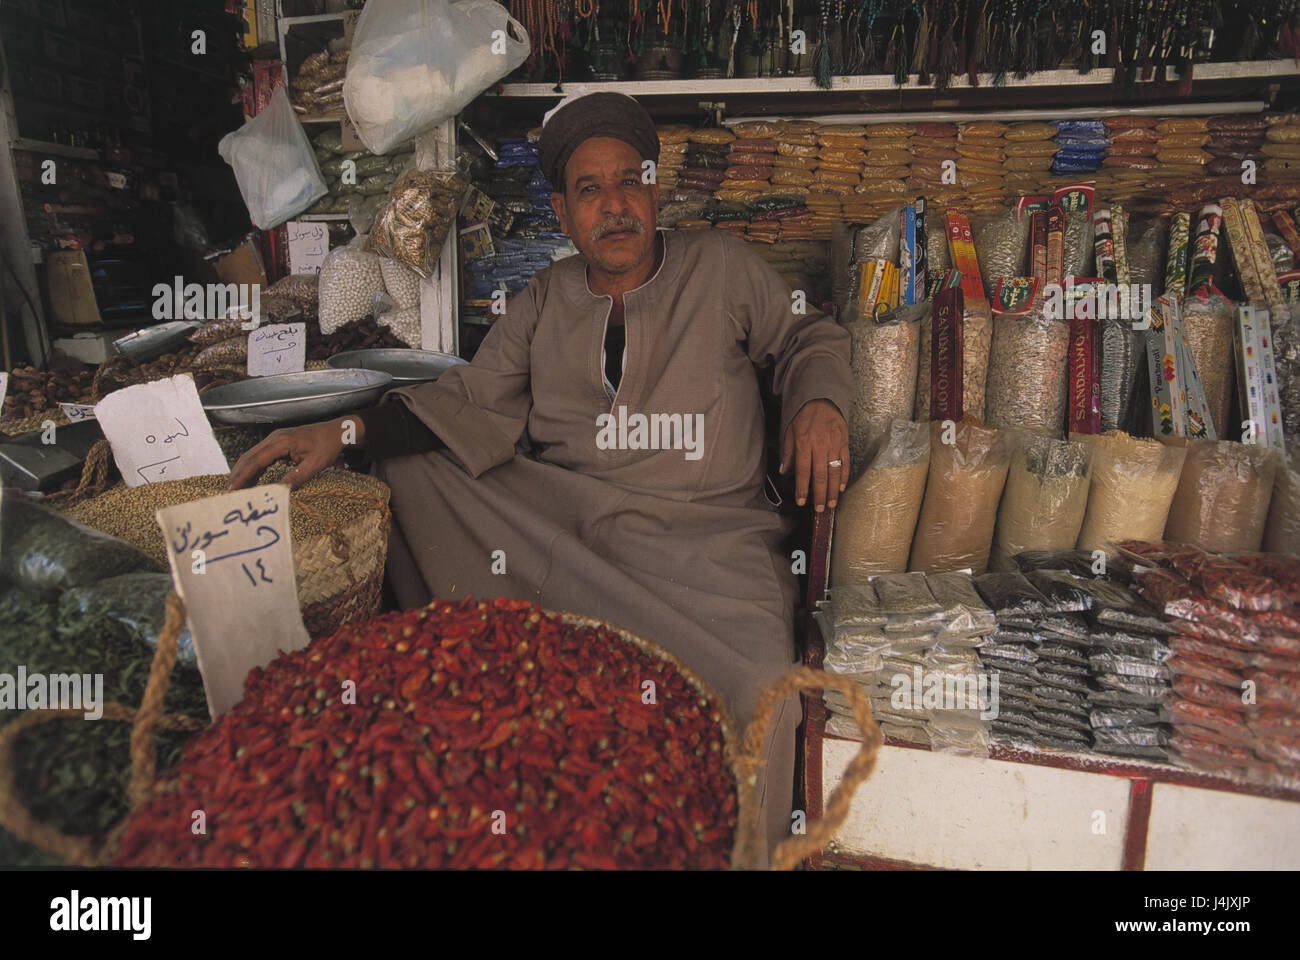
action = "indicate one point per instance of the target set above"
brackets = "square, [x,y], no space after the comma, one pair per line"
[620,223]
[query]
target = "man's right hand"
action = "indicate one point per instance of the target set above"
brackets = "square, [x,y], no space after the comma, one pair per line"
[312,448]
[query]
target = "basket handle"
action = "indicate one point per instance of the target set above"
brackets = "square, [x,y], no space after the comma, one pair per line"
[750,759]
[99,851]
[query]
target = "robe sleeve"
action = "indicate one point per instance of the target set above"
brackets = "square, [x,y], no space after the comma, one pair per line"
[480,410]
[811,351]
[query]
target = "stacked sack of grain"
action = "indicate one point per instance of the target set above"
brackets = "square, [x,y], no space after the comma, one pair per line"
[884,175]
[1179,146]
[1081,146]
[705,162]
[1282,147]
[1234,139]
[1133,145]
[981,151]
[779,217]
[1030,149]
[841,155]
[672,157]
[750,172]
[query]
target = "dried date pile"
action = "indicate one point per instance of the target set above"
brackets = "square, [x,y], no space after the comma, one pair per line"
[33,391]
[482,734]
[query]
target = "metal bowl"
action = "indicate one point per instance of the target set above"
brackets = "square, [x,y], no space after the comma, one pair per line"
[406,366]
[295,397]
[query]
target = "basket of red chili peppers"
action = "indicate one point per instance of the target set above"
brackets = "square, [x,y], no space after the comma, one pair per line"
[478,734]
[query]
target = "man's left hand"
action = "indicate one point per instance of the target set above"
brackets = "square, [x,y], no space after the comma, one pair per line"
[817,436]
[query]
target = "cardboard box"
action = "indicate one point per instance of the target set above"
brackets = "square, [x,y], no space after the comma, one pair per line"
[242,265]
[72,294]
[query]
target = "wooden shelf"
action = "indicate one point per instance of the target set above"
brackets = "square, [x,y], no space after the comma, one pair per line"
[884,83]
[55,149]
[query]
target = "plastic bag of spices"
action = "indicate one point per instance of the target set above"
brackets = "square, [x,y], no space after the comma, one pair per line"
[876,515]
[1044,500]
[44,550]
[420,212]
[1208,320]
[1001,243]
[884,361]
[1027,385]
[1222,498]
[968,468]
[1133,484]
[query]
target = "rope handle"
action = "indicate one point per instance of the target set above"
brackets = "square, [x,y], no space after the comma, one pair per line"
[90,851]
[794,849]
[94,477]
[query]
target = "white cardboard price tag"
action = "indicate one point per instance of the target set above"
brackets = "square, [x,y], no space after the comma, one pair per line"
[158,431]
[309,241]
[76,412]
[277,348]
[232,563]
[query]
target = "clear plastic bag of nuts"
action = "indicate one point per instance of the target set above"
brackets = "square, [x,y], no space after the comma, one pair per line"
[419,215]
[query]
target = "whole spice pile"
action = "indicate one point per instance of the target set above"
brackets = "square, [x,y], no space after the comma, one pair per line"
[483,734]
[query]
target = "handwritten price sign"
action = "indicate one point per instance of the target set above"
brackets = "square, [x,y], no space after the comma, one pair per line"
[277,348]
[158,431]
[309,241]
[232,563]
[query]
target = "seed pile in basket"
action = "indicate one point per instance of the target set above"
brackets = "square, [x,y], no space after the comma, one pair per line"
[463,712]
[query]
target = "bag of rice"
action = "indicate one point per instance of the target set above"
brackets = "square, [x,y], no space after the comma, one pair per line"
[1133,484]
[876,514]
[1045,498]
[1223,495]
[968,468]
[1282,531]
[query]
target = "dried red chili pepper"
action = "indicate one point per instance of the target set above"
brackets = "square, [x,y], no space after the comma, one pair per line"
[462,710]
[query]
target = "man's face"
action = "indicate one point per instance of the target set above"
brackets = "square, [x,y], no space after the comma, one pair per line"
[606,210]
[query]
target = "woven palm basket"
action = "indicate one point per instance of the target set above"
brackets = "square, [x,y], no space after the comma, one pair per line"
[339,522]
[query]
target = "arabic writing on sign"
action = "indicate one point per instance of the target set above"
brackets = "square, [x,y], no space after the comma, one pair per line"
[186,537]
[277,348]
[309,241]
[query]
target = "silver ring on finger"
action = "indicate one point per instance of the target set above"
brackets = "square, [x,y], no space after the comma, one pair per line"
[835,463]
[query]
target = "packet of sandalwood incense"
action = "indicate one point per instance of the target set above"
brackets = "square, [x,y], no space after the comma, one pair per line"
[946,355]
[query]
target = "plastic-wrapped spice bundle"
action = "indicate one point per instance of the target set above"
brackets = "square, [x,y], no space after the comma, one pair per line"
[1223,493]
[1044,500]
[884,361]
[877,513]
[456,704]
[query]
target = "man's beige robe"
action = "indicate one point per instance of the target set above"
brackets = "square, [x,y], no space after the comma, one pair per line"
[679,551]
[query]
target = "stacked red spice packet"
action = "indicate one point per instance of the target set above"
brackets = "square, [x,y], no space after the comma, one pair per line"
[462,735]
[1236,692]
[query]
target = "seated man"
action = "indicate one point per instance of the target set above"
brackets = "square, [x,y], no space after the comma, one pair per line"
[632,368]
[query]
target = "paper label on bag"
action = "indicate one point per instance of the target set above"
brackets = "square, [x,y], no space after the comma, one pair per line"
[77,412]
[4,388]
[277,348]
[158,431]
[232,562]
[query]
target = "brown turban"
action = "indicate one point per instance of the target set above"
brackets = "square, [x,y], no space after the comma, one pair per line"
[594,115]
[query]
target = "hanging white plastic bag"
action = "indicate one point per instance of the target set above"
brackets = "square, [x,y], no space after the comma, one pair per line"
[416,63]
[274,164]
